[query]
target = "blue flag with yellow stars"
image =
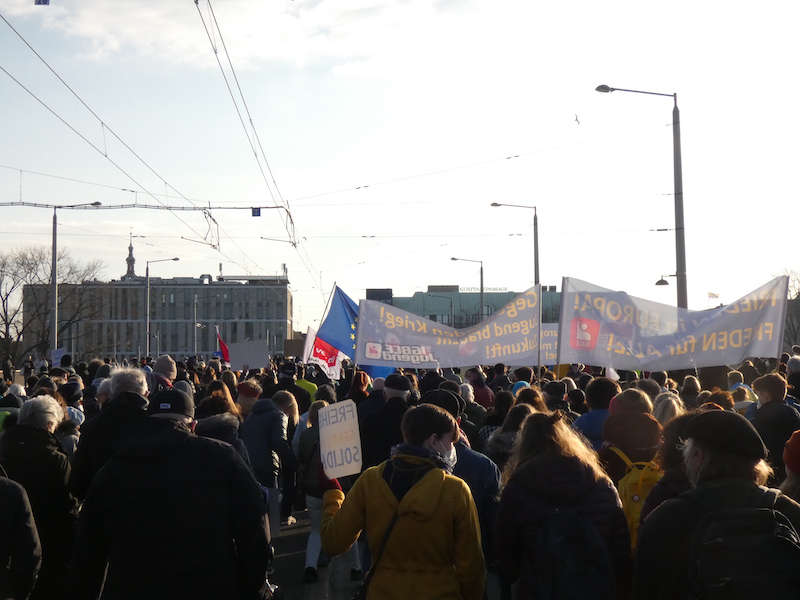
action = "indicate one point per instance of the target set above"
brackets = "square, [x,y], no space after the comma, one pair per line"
[339,330]
[339,327]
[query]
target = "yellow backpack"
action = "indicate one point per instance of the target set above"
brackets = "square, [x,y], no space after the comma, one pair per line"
[634,488]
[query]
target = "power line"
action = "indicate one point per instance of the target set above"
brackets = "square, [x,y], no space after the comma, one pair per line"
[247,109]
[87,140]
[103,124]
[289,221]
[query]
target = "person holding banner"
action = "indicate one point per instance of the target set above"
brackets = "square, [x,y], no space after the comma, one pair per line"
[420,520]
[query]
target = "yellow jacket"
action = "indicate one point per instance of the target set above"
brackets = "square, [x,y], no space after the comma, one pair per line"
[434,550]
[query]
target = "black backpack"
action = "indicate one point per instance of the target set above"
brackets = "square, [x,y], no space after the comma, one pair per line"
[572,561]
[745,553]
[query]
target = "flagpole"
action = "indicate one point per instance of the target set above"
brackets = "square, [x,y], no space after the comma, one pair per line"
[539,344]
[560,320]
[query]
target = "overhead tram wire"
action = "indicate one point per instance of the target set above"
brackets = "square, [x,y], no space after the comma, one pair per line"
[247,109]
[142,206]
[92,144]
[289,222]
[104,126]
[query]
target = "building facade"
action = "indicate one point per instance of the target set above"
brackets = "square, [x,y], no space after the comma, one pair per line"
[450,305]
[109,318]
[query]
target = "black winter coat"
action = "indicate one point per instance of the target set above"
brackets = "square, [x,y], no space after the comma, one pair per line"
[380,432]
[671,485]
[541,485]
[172,515]
[663,549]
[101,435]
[20,551]
[264,433]
[775,423]
[33,458]
[225,428]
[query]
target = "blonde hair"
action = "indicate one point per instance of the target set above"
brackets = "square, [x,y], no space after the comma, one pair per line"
[548,433]
[667,406]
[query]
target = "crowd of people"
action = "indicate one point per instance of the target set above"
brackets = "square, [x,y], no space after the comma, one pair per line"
[165,479]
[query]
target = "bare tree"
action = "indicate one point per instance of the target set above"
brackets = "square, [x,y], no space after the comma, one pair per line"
[31,267]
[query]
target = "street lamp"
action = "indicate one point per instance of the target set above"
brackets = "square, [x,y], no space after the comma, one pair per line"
[481,263]
[535,236]
[54,275]
[147,302]
[535,276]
[680,241]
[663,280]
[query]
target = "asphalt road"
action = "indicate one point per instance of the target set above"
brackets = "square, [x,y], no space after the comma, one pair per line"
[290,551]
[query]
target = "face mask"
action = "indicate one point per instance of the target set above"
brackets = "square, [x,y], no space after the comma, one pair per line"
[447,454]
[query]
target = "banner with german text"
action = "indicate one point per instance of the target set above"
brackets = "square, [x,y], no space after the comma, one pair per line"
[391,337]
[612,329]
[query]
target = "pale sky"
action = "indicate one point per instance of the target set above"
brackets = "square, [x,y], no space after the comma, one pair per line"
[422,102]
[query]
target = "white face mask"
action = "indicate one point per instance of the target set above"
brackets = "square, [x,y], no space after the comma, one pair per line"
[446,450]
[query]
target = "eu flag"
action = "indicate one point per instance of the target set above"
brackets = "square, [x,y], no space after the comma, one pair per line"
[339,327]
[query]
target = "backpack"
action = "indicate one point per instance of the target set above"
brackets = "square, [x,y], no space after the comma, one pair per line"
[634,488]
[572,561]
[745,553]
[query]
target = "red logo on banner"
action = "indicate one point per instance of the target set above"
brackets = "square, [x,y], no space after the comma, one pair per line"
[584,334]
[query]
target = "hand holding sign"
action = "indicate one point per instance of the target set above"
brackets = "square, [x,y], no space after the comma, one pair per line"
[340,440]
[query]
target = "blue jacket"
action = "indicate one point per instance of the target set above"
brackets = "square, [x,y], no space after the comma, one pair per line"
[591,424]
[483,479]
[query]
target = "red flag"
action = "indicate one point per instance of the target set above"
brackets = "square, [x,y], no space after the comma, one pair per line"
[223,348]
[325,352]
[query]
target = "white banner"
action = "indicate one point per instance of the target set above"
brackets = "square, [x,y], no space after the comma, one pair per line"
[602,327]
[391,337]
[339,439]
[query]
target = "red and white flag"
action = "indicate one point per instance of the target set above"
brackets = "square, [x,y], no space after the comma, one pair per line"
[223,347]
[319,352]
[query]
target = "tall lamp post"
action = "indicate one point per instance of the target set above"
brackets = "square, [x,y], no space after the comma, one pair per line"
[535,276]
[147,302]
[680,241]
[480,316]
[54,275]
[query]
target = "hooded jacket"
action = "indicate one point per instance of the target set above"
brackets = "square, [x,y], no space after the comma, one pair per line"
[434,550]
[101,435]
[225,428]
[171,515]
[264,434]
[20,550]
[536,488]
[33,458]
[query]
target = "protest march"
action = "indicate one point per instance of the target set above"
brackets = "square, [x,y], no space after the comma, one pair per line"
[423,466]
[399,300]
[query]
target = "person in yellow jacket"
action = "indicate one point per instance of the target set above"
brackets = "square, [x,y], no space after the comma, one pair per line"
[434,547]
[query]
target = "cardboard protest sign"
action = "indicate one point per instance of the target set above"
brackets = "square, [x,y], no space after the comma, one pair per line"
[339,439]
[391,337]
[612,329]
